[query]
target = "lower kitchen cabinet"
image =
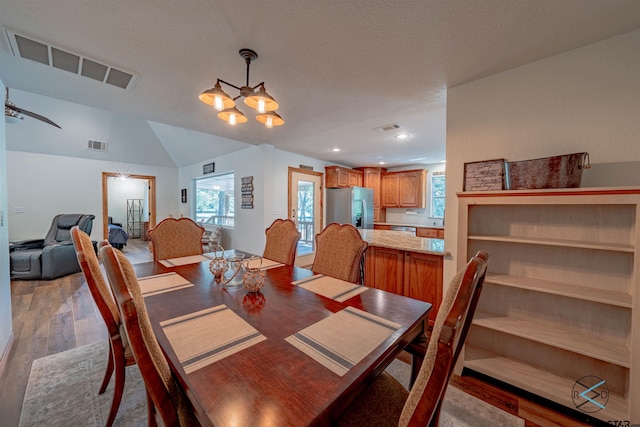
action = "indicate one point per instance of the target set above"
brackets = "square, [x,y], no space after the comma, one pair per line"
[413,274]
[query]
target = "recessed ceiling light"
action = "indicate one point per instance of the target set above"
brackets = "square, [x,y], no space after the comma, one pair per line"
[335,150]
[443,161]
[402,136]
[381,163]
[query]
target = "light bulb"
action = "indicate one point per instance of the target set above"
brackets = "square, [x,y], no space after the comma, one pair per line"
[232,119]
[218,103]
[262,108]
[269,122]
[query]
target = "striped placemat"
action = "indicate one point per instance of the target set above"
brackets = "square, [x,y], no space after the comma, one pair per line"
[160,283]
[209,335]
[330,287]
[343,339]
[264,265]
[191,259]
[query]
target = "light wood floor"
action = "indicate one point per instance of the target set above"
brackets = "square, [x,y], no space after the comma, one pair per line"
[58,315]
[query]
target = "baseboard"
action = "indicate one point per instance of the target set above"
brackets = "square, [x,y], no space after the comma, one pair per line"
[5,357]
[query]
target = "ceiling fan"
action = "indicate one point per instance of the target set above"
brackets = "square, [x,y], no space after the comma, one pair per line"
[15,113]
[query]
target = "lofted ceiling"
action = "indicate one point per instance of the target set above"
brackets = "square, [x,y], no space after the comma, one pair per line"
[338,68]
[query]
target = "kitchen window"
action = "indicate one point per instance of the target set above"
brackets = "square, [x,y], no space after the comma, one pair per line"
[215,201]
[437,195]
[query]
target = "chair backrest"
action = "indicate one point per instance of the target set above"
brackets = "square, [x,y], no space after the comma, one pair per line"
[169,402]
[174,238]
[98,286]
[282,241]
[60,230]
[447,338]
[339,252]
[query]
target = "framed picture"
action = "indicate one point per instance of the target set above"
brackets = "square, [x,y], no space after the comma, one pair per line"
[487,175]
[208,168]
[183,195]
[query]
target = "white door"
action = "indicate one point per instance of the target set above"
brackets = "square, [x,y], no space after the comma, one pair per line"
[305,209]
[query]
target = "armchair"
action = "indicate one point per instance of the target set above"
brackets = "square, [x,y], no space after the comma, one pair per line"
[51,257]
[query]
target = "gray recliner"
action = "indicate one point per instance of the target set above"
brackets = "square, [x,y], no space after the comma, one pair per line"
[51,257]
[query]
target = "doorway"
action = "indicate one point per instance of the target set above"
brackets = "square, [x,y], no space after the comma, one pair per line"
[151,202]
[305,209]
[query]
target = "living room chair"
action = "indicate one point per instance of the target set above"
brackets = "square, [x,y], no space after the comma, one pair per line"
[166,403]
[120,355]
[339,252]
[387,402]
[282,241]
[51,257]
[175,238]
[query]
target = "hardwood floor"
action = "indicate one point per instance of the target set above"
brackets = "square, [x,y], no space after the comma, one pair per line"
[58,315]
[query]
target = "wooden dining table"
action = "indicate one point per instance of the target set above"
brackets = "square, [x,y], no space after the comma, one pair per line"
[272,382]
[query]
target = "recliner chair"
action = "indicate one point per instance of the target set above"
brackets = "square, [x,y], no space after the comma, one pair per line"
[51,257]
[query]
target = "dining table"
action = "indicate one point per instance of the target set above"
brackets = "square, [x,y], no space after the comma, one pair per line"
[296,353]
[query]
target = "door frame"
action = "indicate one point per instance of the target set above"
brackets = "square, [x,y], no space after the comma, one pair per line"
[105,199]
[293,170]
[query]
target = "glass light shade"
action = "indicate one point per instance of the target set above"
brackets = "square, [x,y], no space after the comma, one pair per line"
[261,101]
[270,119]
[232,116]
[217,98]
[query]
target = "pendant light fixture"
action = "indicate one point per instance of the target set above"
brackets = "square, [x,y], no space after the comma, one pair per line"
[258,99]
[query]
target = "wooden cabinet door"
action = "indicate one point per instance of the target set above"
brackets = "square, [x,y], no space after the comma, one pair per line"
[423,279]
[381,227]
[389,193]
[384,269]
[411,194]
[355,178]
[371,179]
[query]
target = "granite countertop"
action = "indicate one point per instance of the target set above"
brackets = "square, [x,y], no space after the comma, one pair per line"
[404,241]
[408,225]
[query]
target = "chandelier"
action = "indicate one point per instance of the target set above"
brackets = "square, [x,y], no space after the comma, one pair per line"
[258,99]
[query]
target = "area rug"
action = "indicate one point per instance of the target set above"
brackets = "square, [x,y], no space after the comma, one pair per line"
[62,391]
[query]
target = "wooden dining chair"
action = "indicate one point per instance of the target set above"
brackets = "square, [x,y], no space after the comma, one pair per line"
[120,355]
[387,402]
[339,252]
[282,241]
[175,238]
[166,403]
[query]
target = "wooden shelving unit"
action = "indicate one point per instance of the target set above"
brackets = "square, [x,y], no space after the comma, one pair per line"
[562,294]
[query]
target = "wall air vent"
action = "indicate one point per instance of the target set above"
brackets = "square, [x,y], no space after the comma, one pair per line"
[386,128]
[97,145]
[63,59]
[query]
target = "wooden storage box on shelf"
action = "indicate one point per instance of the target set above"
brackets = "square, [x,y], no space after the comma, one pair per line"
[560,300]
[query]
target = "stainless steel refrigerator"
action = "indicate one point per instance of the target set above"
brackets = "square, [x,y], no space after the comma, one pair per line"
[352,205]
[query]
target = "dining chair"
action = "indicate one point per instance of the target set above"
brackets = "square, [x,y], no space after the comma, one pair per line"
[175,238]
[166,403]
[339,252]
[120,355]
[282,241]
[387,402]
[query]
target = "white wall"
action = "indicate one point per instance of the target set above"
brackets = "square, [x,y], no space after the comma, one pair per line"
[587,99]
[121,189]
[269,168]
[46,185]
[417,216]
[5,284]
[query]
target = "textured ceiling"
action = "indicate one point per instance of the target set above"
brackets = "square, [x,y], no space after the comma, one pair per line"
[338,68]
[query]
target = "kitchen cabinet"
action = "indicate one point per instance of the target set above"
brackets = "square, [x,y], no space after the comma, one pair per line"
[404,189]
[381,227]
[431,233]
[372,179]
[560,299]
[341,177]
[412,274]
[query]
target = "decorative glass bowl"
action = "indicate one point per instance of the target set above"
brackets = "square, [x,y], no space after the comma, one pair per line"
[253,279]
[232,277]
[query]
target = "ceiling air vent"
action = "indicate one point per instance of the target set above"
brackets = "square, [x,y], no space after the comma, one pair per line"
[64,59]
[386,128]
[97,145]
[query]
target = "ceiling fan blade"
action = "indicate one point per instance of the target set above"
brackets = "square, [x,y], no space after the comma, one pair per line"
[31,114]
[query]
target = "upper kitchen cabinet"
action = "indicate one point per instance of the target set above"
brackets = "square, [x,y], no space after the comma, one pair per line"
[341,177]
[372,179]
[404,189]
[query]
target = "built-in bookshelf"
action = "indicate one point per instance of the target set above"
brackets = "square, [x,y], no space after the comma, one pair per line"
[561,299]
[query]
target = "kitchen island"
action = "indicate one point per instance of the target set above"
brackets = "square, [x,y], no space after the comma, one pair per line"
[399,262]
